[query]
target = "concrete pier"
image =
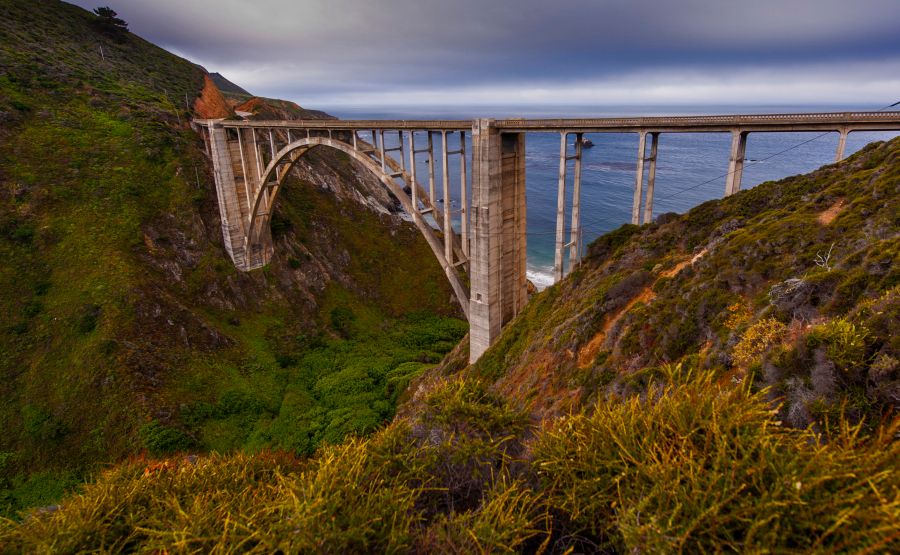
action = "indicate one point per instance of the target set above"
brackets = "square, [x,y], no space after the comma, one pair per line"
[842,144]
[639,178]
[498,239]
[575,231]
[736,162]
[651,177]
[559,251]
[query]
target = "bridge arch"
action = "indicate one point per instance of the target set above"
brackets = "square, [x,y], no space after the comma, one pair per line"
[258,232]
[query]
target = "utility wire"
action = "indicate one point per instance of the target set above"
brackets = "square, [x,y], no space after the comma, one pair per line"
[755,162]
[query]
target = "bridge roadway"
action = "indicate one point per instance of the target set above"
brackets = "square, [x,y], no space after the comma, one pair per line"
[251,160]
[824,121]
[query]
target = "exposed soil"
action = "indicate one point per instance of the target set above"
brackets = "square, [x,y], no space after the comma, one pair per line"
[211,104]
[587,353]
[829,215]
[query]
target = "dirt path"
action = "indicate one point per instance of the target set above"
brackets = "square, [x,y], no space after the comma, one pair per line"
[587,353]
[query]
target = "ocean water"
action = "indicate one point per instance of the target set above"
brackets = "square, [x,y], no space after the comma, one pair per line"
[690,168]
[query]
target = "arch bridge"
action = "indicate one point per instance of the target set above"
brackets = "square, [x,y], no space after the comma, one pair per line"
[485,238]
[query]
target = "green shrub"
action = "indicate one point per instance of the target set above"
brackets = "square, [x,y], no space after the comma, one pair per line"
[758,338]
[87,320]
[472,436]
[511,517]
[41,425]
[845,343]
[342,320]
[704,468]
[160,439]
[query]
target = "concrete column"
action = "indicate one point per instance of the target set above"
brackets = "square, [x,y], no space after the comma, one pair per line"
[498,242]
[402,156]
[244,171]
[226,191]
[463,195]
[736,162]
[639,179]
[259,166]
[842,144]
[381,151]
[651,178]
[558,262]
[445,183]
[412,175]
[575,237]
[431,194]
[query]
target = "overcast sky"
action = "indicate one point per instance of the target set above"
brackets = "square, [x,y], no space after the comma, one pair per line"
[331,53]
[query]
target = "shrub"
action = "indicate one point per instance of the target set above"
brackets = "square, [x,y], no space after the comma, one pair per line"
[510,517]
[342,320]
[471,436]
[41,425]
[160,439]
[87,320]
[704,468]
[844,342]
[756,340]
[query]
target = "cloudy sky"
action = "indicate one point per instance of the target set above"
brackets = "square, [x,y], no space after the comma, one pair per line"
[384,53]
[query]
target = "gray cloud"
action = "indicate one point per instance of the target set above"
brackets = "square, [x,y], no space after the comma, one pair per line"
[344,50]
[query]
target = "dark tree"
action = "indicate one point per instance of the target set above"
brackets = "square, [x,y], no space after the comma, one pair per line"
[107,20]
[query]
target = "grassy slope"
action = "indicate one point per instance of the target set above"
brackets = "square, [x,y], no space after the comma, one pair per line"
[125,326]
[732,286]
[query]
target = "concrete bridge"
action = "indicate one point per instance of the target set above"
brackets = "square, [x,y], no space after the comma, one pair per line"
[252,158]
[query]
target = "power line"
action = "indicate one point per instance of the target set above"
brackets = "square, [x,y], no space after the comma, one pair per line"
[754,162]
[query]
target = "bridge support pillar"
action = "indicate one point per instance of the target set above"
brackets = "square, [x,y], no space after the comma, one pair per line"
[639,179]
[498,239]
[651,177]
[227,193]
[736,162]
[842,144]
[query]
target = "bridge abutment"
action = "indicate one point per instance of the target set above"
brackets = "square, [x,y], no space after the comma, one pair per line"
[233,231]
[498,234]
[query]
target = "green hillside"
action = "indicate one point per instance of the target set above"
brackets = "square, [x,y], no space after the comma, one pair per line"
[126,328]
[792,287]
[682,429]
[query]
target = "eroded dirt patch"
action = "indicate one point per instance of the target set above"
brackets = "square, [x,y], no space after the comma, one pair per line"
[828,216]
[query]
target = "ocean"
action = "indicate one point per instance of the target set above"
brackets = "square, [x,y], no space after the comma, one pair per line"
[690,166]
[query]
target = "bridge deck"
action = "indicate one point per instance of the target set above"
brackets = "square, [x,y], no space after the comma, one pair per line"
[826,121]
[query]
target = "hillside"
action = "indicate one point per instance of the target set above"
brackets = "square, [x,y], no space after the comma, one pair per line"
[126,328]
[655,401]
[791,287]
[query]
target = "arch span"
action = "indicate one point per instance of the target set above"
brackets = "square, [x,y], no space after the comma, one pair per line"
[258,241]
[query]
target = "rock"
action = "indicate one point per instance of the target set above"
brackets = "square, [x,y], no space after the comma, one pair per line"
[793,296]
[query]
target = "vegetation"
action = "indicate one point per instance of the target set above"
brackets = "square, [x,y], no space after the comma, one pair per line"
[695,467]
[108,20]
[757,288]
[126,328]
